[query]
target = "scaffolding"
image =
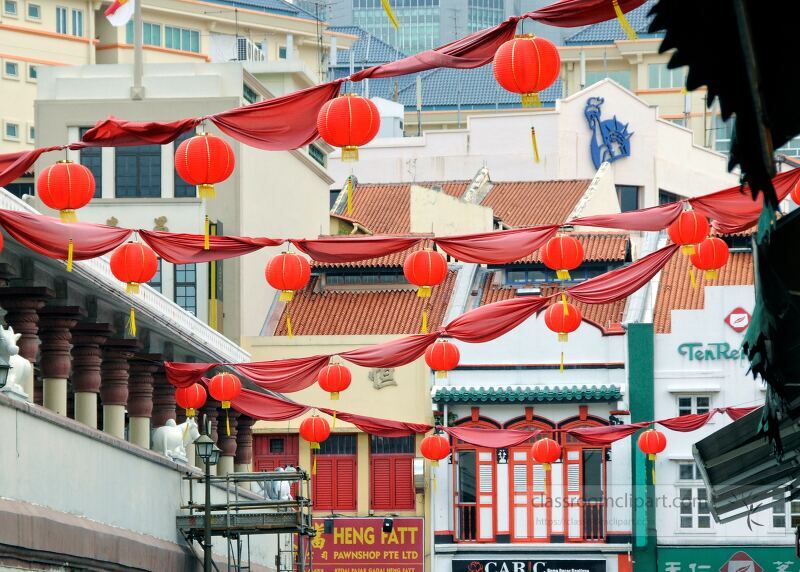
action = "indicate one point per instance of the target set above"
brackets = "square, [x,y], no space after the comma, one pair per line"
[243,515]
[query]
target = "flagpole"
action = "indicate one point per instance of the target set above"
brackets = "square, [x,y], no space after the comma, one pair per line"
[137,92]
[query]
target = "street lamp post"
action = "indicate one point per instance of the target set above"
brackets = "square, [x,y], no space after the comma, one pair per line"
[209,453]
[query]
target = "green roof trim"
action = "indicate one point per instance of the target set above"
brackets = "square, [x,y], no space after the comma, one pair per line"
[542,394]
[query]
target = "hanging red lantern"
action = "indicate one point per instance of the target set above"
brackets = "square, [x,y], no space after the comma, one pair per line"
[795,194]
[425,269]
[134,263]
[562,254]
[442,356]
[711,255]
[288,272]
[315,430]
[435,448]
[66,186]
[562,318]
[334,378]
[349,121]
[546,451]
[191,398]
[203,161]
[689,229]
[652,442]
[527,65]
[225,387]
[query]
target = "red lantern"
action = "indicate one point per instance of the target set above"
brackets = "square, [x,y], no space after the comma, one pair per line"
[425,269]
[66,187]
[435,448]
[652,442]
[225,387]
[288,272]
[191,398]
[711,255]
[689,229]
[527,65]
[795,194]
[315,430]
[349,122]
[334,378]
[204,160]
[562,318]
[562,254]
[546,451]
[134,263]
[442,357]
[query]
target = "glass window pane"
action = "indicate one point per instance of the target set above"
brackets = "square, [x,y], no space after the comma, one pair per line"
[703,522]
[592,475]
[685,472]
[466,476]
[703,404]
[686,522]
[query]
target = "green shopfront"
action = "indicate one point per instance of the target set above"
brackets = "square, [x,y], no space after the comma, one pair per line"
[727,559]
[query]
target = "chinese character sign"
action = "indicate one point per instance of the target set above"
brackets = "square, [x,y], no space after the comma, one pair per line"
[361,545]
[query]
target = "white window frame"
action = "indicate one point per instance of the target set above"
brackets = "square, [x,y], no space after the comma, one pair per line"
[28,77]
[787,515]
[77,12]
[65,11]
[28,12]
[31,133]
[698,489]
[5,72]
[8,137]
[15,13]
[693,408]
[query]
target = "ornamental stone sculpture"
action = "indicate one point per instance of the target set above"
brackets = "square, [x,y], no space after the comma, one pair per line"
[172,439]
[19,383]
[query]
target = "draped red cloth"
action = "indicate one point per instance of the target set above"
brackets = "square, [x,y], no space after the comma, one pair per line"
[267,407]
[574,13]
[50,237]
[734,210]
[380,427]
[737,413]
[284,375]
[180,248]
[332,250]
[686,423]
[491,438]
[650,219]
[393,353]
[493,320]
[622,282]
[607,434]
[113,132]
[496,247]
[14,165]
[182,374]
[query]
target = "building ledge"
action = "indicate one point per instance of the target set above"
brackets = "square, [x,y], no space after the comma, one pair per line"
[542,394]
[539,549]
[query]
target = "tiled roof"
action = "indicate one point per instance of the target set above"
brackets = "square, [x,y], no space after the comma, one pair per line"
[675,291]
[271,6]
[610,30]
[530,203]
[608,317]
[365,312]
[574,393]
[390,261]
[367,51]
[597,247]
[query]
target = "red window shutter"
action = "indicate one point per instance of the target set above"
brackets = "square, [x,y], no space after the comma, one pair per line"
[323,484]
[345,486]
[381,482]
[404,496]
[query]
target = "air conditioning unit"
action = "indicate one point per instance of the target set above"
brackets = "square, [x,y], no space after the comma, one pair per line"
[535,291]
[247,51]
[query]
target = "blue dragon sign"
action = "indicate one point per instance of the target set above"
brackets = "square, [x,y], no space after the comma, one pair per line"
[610,138]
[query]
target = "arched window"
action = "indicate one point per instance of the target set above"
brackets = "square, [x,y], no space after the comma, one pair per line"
[474,490]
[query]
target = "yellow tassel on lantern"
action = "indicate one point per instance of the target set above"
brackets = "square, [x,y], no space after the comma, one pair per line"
[190,412]
[547,466]
[387,7]
[334,419]
[535,146]
[70,255]
[623,21]
[68,215]
[424,291]
[712,274]
[206,235]
[314,467]
[286,296]
[227,424]
[692,277]
[564,304]
[561,365]
[206,191]
[350,195]
[563,337]
[334,395]
[350,153]
[132,288]
[651,457]
[424,321]
[289,325]
[531,100]
[687,249]
[132,322]
[562,274]
[314,446]
[440,373]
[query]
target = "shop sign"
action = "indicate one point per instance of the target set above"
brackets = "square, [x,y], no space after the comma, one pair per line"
[727,559]
[738,319]
[529,565]
[361,545]
[698,351]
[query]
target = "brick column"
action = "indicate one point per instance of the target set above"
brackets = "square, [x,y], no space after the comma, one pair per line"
[140,398]
[211,411]
[55,333]
[114,389]
[87,359]
[243,462]
[22,306]
[227,442]
[163,398]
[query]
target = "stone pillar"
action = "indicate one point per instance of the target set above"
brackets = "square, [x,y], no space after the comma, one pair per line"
[227,442]
[243,462]
[114,389]
[163,398]
[87,358]
[55,324]
[22,306]
[140,398]
[210,411]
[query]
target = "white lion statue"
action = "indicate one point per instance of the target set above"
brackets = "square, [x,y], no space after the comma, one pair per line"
[19,383]
[172,439]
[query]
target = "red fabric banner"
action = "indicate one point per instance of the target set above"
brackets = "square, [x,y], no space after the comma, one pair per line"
[380,427]
[622,282]
[393,353]
[267,407]
[496,247]
[14,165]
[344,249]
[180,248]
[284,375]
[737,413]
[605,435]
[650,219]
[182,374]
[686,423]
[493,320]
[113,132]
[574,13]
[490,438]
[50,237]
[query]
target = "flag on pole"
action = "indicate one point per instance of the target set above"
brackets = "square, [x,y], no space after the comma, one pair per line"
[120,12]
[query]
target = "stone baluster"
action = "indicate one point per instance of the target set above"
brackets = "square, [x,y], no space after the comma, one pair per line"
[117,354]
[163,398]
[56,323]
[87,360]
[227,442]
[140,398]
[243,462]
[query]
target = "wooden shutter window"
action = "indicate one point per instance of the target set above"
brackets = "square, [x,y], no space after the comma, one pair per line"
[323,484]
[381,481]
[404,495]
[344,480]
